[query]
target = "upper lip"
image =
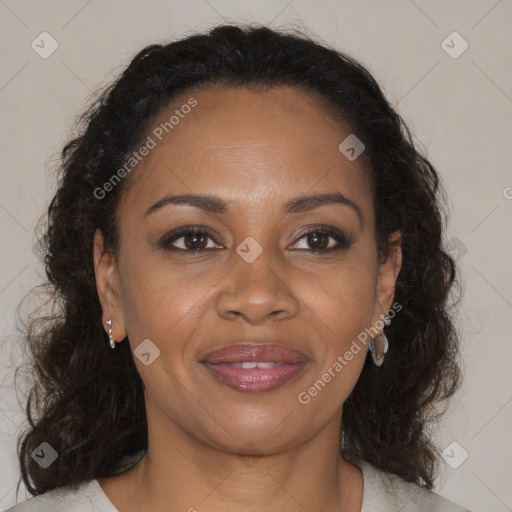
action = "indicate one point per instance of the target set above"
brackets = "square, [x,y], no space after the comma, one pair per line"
[269,352]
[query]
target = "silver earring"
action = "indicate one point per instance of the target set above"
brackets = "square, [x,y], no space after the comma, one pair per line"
[110,338]
[379,347]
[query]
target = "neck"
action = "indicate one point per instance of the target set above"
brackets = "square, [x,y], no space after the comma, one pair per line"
[179,472]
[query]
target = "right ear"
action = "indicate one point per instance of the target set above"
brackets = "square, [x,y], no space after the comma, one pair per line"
[108,287]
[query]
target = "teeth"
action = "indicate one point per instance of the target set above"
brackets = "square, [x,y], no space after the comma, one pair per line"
[248,365]
[264,365]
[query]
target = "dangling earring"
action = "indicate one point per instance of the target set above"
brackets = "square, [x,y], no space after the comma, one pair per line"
[110,338]
[379,348]
[379,345]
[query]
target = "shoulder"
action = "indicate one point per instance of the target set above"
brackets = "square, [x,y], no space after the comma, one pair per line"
[385,492]
[88,497]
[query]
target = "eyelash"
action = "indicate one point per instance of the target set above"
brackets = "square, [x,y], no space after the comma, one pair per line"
[344,241]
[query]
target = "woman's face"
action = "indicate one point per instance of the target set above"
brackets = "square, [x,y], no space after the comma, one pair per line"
[250,275]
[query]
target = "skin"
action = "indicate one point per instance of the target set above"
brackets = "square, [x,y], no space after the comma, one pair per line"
[211,447]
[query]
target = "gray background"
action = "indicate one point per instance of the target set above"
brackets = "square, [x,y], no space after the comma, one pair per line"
[458,108]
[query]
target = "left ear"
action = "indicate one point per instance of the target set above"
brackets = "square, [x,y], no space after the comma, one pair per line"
[388,273]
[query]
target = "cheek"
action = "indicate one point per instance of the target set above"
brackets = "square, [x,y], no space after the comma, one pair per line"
[342,310]
[345,295]
[165,300]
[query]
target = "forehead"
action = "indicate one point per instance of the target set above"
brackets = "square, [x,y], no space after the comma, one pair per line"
[247,145]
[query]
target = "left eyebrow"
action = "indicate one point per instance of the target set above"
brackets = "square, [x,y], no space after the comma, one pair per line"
[307,203]
[300,204]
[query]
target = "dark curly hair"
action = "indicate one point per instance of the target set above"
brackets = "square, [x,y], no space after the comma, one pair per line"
[87,401]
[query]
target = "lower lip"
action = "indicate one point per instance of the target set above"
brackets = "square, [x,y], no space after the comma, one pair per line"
[254,380]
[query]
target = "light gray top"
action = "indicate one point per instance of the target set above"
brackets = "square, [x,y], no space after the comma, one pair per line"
[382,492]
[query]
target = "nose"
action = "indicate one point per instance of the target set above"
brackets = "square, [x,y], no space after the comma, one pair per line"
[258,292]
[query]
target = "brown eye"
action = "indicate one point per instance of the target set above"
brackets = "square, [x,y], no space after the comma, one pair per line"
[195,241]
[188,240]
[317,240]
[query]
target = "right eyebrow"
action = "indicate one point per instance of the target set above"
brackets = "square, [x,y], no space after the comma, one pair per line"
[207,203]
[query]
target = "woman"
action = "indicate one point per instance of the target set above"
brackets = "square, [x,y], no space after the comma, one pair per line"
[246,252]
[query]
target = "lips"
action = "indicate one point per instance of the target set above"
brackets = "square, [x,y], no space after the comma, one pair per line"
[255,368]
[270,352]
